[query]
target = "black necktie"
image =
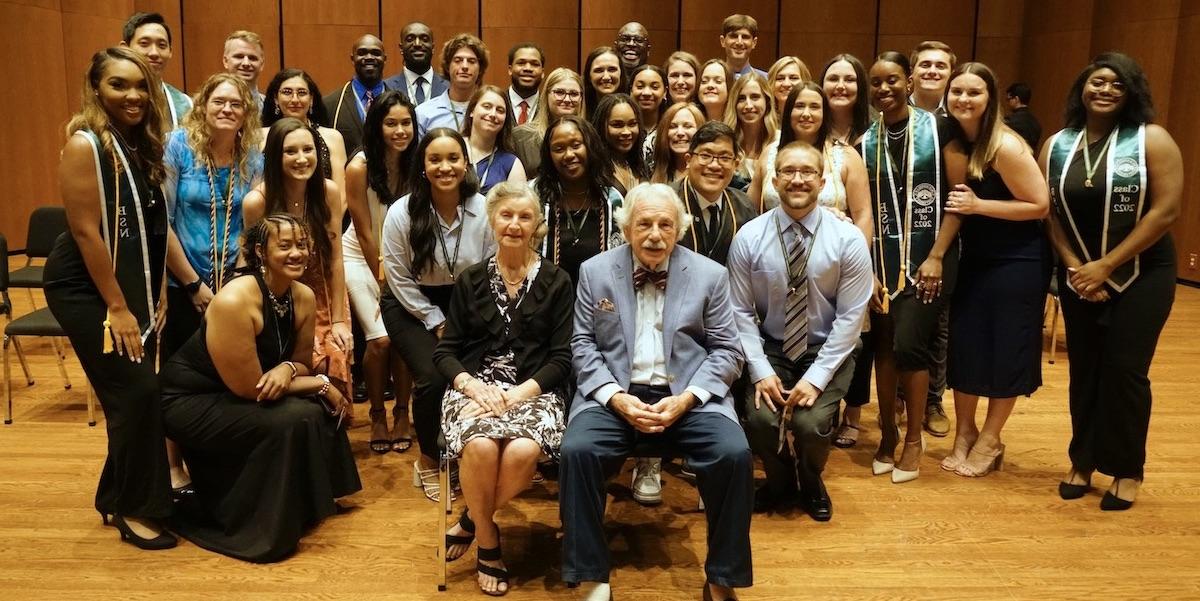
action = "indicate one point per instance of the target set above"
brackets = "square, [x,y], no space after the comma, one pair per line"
[641,276]
[420,85]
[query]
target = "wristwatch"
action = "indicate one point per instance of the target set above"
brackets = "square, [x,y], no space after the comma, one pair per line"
[194,287]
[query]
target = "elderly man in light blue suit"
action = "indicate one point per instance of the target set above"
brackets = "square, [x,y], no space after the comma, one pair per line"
[655,351]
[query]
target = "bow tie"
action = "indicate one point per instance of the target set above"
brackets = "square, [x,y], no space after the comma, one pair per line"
[641,276]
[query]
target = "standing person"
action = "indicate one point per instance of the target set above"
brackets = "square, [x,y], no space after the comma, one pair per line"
[915,255]
[751,114]
[799,340]
[292,184]
[575,185]
[633,46]
[526,62]
[561,94]
[649,91]
[293,93]
[602,75]
[677,125]
[418,79]
[1019,118]
[465,60]
[644,310]
[850,110]
[429,237]
[148,35]
[348,106]
[996,313]
[932,61]
[263,436]
[787,73]
[106,279]
[739,37]
[683,75]
[717,210]
[244,56]
[715,79]
[488,130]
[375,178]
[507,355]
[1116,184]
[616,120]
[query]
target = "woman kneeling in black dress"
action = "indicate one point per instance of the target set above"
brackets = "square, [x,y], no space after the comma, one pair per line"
[263,439]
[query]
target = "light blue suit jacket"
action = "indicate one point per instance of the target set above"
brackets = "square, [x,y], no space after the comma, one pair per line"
[700,337]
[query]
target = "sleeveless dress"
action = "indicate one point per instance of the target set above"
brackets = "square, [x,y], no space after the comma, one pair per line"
[134,481]
[362,286]
[833,194]
[493,169]
[996,311]
[327,357]
[263,472]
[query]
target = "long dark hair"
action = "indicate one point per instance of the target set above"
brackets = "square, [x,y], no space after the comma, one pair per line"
[636,159]
[316,209]
[787,133]
[317,115]
[421,233]
[375,147]
[862,103]
[1139,106]
[599,166]
[590,97]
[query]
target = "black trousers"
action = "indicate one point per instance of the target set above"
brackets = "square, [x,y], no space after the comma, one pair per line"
[182,321]
[1110,346]
[812,427]
[940,348]
[596,443]
[415,345]
[859,393]
[135,481]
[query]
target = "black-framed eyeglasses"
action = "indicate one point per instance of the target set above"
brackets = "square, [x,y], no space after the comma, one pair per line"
[724,160]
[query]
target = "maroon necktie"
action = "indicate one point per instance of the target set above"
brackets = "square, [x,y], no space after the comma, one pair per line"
[641,275]
[523,116]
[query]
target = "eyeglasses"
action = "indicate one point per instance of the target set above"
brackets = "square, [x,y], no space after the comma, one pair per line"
[724,160]
[805,175]
[222,103]
[631,39]
[1116,88]
[298,93]
[565,94]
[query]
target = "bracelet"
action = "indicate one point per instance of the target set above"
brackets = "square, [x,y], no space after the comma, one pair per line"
[324,384]
[291,365]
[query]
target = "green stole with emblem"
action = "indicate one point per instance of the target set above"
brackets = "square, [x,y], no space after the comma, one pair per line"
[1124,198]
[906,227]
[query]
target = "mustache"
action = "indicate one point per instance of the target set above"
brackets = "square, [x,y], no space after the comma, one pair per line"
[654,245]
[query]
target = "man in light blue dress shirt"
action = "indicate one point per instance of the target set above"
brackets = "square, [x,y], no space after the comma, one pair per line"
[800,381]
[464,60]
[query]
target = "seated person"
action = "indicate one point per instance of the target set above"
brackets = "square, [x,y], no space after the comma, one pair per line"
[646,374]
[264,439]
[506,352]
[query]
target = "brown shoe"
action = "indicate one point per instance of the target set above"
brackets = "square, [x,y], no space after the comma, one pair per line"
[936,422]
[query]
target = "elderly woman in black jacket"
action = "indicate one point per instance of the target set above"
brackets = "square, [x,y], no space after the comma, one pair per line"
[506,352]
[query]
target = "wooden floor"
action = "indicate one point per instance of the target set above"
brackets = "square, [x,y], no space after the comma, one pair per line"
[1006,536]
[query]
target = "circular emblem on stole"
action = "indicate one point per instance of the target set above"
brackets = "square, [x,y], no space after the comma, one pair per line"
[1126,167]
[924,194]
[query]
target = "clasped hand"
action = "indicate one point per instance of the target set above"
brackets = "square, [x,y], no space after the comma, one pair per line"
[651,419]
[1088,280]
[770,390]
[489,400]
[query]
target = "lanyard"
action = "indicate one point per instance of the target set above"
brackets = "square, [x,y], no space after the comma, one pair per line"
[452,262]
[807,252]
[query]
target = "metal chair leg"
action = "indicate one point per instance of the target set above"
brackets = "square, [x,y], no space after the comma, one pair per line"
[7,383]
[1054,332]
[444,508]
[62,368]
[91,405]
[21,357]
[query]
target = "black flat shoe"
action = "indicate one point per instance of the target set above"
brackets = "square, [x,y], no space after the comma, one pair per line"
[707,596]
[180,493]
[164,540]
[500,574]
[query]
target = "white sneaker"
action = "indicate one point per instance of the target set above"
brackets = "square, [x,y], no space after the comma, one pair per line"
[647,486]
[594,591]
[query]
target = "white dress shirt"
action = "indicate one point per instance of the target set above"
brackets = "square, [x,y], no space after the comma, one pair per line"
[427,86]
[516,100]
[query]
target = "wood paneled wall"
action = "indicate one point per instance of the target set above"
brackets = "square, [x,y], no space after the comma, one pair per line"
[1042,43]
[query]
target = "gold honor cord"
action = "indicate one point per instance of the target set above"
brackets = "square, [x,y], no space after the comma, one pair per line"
[217,277]
[116,245]
[687,206]
[879,232]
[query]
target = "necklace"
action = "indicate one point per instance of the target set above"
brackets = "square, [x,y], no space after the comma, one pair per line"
[217,277]
[1088,165]
[279,305]
[524,271]
[121,139]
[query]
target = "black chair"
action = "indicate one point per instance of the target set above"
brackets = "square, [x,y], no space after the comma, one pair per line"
[45,225]
[40,322]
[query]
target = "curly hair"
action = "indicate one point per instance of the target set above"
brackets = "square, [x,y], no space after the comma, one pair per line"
[1139,106]
[599,167]
[147,136]
[460,41]
[249,135]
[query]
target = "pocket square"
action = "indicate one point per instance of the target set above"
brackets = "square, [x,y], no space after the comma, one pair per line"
[606,305]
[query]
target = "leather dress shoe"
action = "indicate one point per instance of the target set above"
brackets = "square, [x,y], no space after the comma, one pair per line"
[819,507]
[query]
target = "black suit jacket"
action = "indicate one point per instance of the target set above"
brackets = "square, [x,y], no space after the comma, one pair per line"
[343,112]
[714,245]
[540,333]
[1024,123]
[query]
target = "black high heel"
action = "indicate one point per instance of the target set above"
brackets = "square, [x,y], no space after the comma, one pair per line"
[1069,492]
[1111,502]
[164,540]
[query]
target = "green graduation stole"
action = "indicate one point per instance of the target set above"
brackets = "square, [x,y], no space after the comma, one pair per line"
[906,226]
[1124,198]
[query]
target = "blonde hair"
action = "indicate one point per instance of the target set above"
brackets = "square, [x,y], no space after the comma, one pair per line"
[769,120]
[505,191]
[991,124]
[249,135]
[541,119]
[147,136]
[664,163]
[246,36]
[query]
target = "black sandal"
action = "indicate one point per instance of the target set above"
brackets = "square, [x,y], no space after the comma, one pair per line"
[401,444]
[464,522]
[500,574]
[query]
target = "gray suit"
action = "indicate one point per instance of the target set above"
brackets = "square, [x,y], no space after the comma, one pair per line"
[701,349]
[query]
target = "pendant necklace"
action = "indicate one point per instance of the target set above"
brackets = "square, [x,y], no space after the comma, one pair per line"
[1090,167]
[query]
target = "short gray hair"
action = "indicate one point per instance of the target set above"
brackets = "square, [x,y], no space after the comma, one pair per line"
[642,192]
[505,191]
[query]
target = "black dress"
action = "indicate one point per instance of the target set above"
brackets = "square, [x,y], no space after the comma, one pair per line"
[135,480]
[263,472]
[996,311]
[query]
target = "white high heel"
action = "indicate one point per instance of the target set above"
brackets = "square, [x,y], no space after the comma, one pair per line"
[879,468]
[429,481]
[900,476]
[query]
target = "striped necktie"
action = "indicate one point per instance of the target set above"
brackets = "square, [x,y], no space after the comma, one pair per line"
[795,331]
